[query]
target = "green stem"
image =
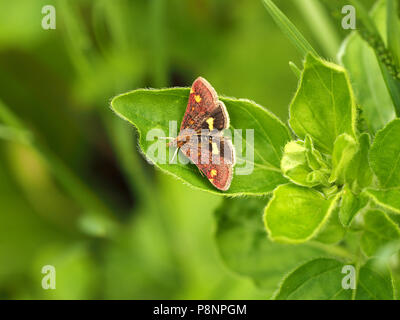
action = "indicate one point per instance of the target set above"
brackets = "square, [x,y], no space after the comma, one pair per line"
[320,23]
[333,250]
[295,69]
[77,37]
[388,64]
[15,134]
[289,29]
[393,29]
[158,42]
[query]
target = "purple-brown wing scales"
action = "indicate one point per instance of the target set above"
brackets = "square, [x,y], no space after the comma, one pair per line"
[214,157]
[204,110]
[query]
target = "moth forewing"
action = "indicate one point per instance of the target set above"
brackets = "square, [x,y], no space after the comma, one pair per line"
[225,114]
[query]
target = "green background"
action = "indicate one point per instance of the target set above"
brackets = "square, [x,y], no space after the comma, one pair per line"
[155,239]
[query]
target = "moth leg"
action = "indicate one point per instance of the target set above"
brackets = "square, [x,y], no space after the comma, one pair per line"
[202,174]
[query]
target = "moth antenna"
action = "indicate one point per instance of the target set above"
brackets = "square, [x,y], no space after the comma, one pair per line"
[166,138]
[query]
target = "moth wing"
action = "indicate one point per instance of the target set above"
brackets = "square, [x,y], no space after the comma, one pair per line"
[218,119]
[214,156]
[204,110]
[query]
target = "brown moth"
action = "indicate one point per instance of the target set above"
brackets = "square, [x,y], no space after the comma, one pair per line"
[201,135]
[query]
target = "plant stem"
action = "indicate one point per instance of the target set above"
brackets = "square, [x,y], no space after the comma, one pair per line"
[78,40]
[289,29]
[320,23]
[295,69]
[14,134]
[334,250]
[388,64]
[158,42]
[393,29]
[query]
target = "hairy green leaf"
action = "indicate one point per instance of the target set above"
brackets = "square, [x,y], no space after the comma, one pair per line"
[344,149]
[322,279]
[374,284]
[303,164]
[384,157]
[350,205]
[378,230]
[358,173]
[323,106]
[294,164]
[388,198]
[332,231]
[295,214]
[245,248]
[316,279]
[314,158]
[154,109]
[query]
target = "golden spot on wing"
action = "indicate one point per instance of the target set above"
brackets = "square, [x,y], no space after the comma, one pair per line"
[213,172]
[215,148]
[192,109]
[191,90]
[211,180]
[197,98]
[191,121]
[210,122]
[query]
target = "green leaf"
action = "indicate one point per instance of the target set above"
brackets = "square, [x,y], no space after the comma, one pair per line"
[245,248]
[295,214]
[303,164]
[314,158]
[374,284]
[315,280]
[149,109]
[384,157]
[388,198]
[378,230]
[323,106]
[321,279]
[332,231]
[350,206]
[388,254]
[294,162]
[344,149]
[358,173]
[289,29]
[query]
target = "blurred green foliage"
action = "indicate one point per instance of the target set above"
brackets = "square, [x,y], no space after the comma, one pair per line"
[59,83]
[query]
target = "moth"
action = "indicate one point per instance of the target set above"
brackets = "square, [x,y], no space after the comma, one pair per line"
[201,136]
